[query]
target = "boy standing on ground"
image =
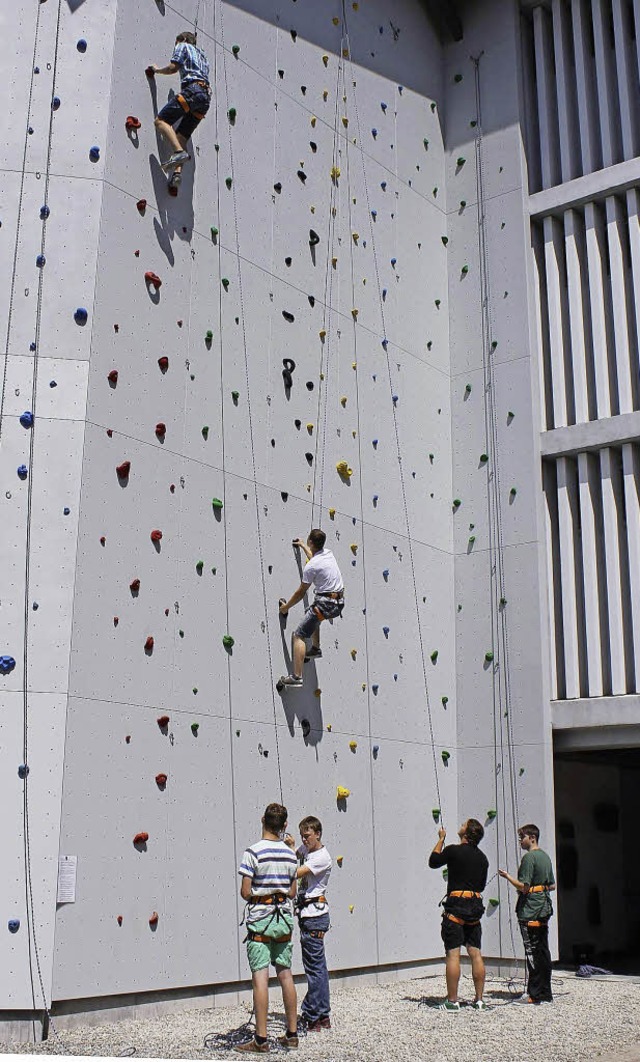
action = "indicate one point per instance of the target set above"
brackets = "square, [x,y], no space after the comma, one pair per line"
[463,908]
[534,909]
[189,106]
[268,871]
[313,918]
[323,572]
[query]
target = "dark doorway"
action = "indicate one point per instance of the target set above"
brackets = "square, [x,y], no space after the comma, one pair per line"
[598,857]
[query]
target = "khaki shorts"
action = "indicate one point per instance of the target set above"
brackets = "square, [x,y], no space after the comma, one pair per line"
[275,953]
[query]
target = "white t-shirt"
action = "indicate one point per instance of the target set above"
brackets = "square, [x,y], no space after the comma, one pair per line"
[323,571]
[315,883]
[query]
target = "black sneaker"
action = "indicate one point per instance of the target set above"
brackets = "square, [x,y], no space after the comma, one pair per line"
[312,654]
[289,682]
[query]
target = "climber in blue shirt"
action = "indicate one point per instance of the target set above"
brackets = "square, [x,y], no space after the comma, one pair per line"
[179,118]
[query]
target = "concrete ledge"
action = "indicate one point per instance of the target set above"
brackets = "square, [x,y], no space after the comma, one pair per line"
[593,435]
[609,181]
[596,712]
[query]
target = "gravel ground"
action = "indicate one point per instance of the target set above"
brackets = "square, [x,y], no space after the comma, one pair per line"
[590,1019]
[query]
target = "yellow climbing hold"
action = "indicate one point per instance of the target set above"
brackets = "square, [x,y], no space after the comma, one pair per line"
[325,95]
[354,548]
[335,20]
[355,5]
[334,262]
[353,745]
[343,469]
[364,686]
[318,692]
[332,514]
[329,725]
[325,60]
[351,908]
[343,401]
[353,364]
[335,172]
[313,121]
[354,313]
[345,121]
[355,236]
[322,376]
[322,333]
[353,434]
[345,53]
[310,428]
[312,209]
[339,860]
[342,793]
[354,653]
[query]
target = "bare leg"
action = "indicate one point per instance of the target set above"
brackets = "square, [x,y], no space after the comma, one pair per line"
[169,133]
[289,997]
[477,971]
[453,974]
[261,999]
[298,650]
[315,638]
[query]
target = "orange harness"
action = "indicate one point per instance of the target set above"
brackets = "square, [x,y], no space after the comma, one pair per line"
[460,921]
[185,106]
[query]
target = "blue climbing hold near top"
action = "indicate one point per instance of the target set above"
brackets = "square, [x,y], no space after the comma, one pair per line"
[94,153]
[13,925]
[385,574]
[374,133]
[385,343]
[53,383]
[375,687]
[383,185]
[44,212]
[394,399]
[81,45]
[393,261]
[55,103]
[7,664]
[385,631]
[40,261]
[66,510]
[384,106]
[26,419]
[23,471]
[23,771]
[374,214]
[81,316]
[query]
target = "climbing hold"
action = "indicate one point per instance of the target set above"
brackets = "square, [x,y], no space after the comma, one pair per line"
[152,280]
[484,458]
[317,692]
[148,645]
[464,270]
[445,240]
[131,122]
[119,919]
[310,428]
[161,779]
[385,574]
[488,656]
[156,536]
[343,469]
[81,45]
[385,631]
[332,514]
[195,728]
[162,721]
[26,419]
[445,756]
[375,687]
[513,492]
[112,377]
[13,925]
[228,641]
[141,206]
[436,814]
[339,860]
[354,547]
[288,316]
[314,239]
[510,416]
[460,161]
[231,115]
[491,814]
[94,153]
[302,175]
[66,510]
[353,745]
[354,314]
[134,586]
[335,173]
[41,261]
[228,181]
[163,362]
[160,429]
[81,316]
[374,133]
[199,567]
[23,771]
[44,212]
[153,920]
[141,838]
[494,902]
[123,470]
[445,701]
[22,471]
[434,656]
[394,399]
[456,503]
[225,283]
[216,503]
[342,793]
[235,48]
[235,395]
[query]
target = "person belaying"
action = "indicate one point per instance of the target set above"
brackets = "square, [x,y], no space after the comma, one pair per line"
[323,573]
[467,870]
[268,871]
[313,918]
[185,110]
[533,910]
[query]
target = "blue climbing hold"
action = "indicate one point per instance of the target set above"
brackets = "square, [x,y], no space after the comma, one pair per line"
[23,471]
[400,88]
[385,574]
[385,631]
[66,510]
[394,399]
[374,133]
[13,925]
[374,443]
[384,294]
[383,106]
[44,212]
[32,346]
[375,499]
[53,383]
[94,153]
[7,664]
[375,750]
[81,45]
[81,316]
[374,214]
[395,678]
[385,343]
[23,771]
[375,687]
[40,261]
[35,606]
[55,103]
[383,185]
[26,419]
[393,262]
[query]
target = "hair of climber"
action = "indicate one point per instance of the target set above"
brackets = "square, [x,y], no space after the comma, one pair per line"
[310,822]
[275,818]
[530,830]
[317,539]
[474,832]
[187,37]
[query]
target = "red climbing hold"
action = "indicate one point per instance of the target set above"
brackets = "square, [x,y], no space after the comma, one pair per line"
[132,122]
[150,72]
[116,621]
[153,921]
[128,739]
[172,488]
[161,779]
[113,376]
[123,470]
[153,279]
[141,206]
[103,540]
[166,611]
[119,920]
[141,838]
[134,586]
[163,362]
[110,432]
[163,720]
[156,536]
[148,645]
[161,430]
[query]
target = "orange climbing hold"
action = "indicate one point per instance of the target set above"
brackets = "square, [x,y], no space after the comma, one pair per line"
[141,838]
[152,279]
[163,720]
[161,779]
[132,123]
[156,536]
[153,921]
[149,644]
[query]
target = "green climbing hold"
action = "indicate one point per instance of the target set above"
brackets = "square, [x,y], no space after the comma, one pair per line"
[205,431]
[231,114]
[436,814]
[494,344]
[510,415]
[199,567]
[228,641]
[426,144]
[235,48]
[456,503]
[208,336]
[446,756]
[213,571]
[473,123]
[457,78]
[494,902]
[437,303]
[433,106]
[216,503]
[228,181]
[513,492]
[464,270]
[491,814]
[181,633]
[445,701]
[434,656]
[431,456]
[503,602]
[484,458]
[472,539]
[467,389]
[463,203]
[235,396]
[445,240]
[521,771]
[214,233]
[460,161]
[225,283]
[488,656]
[195,728]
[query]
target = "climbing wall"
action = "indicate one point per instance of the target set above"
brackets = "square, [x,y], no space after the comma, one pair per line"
[292,341]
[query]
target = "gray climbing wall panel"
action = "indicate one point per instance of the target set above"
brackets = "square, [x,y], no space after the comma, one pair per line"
[338,130]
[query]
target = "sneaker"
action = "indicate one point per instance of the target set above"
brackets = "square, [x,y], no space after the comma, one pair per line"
[325,1023]
[289,1042]
[175,160]
[524,999]
[313,654]
[252,1047]
[315,1026]
[449,1007]
[479,1004]
[290,681]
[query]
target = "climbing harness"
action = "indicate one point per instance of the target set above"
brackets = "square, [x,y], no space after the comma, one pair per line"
[186,106]
[536,888]
[460,921]
[466,894]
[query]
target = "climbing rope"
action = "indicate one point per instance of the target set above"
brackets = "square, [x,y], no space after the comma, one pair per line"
[265,600]
[396,430]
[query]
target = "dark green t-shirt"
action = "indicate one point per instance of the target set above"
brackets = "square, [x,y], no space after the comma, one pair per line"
[535,869]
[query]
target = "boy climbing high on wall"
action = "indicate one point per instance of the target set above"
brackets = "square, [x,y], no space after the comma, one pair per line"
[189,106]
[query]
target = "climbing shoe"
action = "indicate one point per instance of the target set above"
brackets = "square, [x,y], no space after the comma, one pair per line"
[449,1007]
[289,682]
[480,1004]
[313,654]
[288,1042]
[175,160]
[252,1047]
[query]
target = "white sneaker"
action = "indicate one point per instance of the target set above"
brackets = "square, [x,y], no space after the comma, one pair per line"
[176,159]
[479,1004]
[448,1007]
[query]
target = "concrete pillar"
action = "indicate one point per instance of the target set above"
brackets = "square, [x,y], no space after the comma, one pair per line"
[610,502]
[616,222]
[556,332]
[587,115]
[631,475]
[575,268]
[546,96]
[590,574]
[567,511]
[594,239]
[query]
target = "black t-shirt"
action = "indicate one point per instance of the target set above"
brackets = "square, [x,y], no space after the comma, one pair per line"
[468,867]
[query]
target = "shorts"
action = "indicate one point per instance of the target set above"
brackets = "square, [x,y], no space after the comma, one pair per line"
[329,608]
[275,953]
[457,936]
[198,100]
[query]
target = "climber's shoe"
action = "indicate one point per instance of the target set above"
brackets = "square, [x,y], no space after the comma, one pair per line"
[176,159]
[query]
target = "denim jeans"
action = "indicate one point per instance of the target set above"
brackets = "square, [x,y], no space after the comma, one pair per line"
[316,1002]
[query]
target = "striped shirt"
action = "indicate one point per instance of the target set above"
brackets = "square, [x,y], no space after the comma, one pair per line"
[192,63]
[272,866]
